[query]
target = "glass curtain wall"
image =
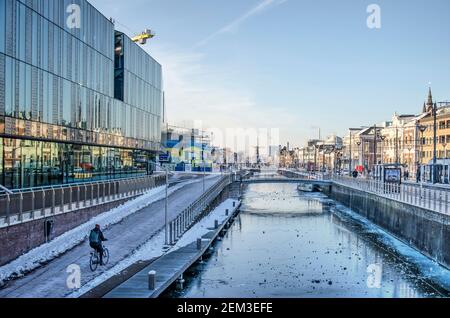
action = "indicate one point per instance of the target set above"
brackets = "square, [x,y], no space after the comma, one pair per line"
[29,163]
[59,120]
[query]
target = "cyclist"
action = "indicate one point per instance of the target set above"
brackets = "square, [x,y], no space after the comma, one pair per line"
[95,241]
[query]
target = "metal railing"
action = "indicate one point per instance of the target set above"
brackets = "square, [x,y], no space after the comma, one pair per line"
[320,176]
[434,199]
[31,204]
[194,212]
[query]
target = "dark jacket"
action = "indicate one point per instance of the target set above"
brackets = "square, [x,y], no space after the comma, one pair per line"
[98,234]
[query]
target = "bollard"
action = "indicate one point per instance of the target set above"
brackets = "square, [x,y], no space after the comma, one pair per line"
[234,204]
[216,224]
[61,206]
[70,199]
[8,208]
[53,202]
[92,194]
[446,202]
[174,237]
[152,280]
[21,207]
[199,243]
[43,203]
[32,205]
[170,233]
[78,198]
[227,212]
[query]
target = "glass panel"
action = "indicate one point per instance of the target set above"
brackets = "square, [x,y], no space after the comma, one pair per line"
[22,32]
[22,89]
[2,25]
[66,104]
[28,91]
[2,85]
[9,86]
[2,181]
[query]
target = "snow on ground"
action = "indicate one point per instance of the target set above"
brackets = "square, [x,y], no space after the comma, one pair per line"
[207,223]
[152,249]
[155,246]
[51,250]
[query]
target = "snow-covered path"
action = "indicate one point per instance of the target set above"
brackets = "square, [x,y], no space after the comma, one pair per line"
[50,280]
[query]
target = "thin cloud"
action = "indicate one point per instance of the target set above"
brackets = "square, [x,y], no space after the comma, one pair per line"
[195,91]
[234,25]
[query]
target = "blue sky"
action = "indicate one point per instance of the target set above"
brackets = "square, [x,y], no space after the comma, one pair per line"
[293,64]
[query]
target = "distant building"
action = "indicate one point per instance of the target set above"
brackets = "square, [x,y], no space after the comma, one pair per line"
[186,149]
[443,132]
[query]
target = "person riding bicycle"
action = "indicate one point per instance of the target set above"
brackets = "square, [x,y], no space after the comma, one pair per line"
[95,241]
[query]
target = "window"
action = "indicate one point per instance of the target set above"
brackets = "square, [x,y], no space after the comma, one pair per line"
[35,40]
[1,159]
[2,25]
[20,53]
[22,88]
[66,104]
[2,86]
[28,92]
[9,86]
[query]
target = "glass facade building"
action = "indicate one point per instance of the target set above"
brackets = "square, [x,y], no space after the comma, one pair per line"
[76,104]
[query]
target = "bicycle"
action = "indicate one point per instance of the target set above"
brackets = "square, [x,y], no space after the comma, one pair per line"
[95,259]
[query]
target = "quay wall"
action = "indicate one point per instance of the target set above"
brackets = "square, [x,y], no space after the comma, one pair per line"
[425,230]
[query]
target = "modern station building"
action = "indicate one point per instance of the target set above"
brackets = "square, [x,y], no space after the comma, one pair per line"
[187,149]
[78,101]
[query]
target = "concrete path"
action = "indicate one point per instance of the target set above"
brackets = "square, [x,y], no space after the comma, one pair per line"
[50,280]
[172,265]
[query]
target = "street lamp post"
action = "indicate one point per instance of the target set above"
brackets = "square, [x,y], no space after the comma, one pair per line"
[434,143]
[383,139]
[166,207]
[375,140]
[350,154]
[410,147]
[360,153]
[315,157]
[166,201]
[444,144]
[203,163]
[323,160]
[422,131]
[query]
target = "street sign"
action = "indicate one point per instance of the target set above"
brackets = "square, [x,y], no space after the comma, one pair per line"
[164,157]
[393,175]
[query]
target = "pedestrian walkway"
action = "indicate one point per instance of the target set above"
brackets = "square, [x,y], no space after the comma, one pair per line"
[171,266]
[51,279]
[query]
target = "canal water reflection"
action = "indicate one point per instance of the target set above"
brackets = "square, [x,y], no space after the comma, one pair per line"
[290,244]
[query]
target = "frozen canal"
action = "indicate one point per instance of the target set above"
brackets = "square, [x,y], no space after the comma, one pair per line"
[290,244]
